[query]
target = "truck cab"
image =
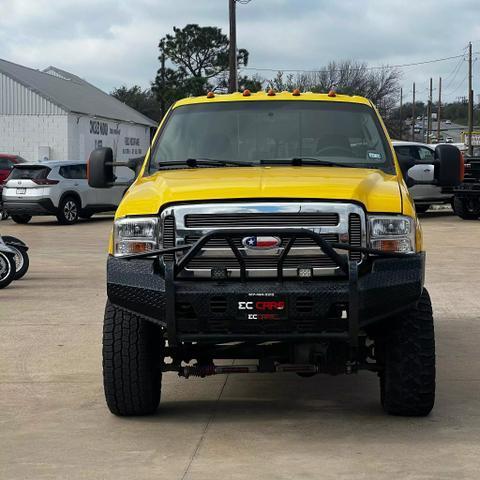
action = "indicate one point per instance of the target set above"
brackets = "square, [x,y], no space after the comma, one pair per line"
[274,226]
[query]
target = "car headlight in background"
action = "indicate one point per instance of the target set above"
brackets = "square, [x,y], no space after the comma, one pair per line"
[135,235]
[394,234]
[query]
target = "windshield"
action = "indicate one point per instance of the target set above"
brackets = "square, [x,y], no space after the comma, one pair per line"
[258,131]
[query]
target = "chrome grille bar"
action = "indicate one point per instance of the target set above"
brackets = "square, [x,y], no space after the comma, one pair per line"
[335,222]
[245,220]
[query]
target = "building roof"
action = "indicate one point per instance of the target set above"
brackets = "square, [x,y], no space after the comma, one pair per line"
[305,96]
[72,93]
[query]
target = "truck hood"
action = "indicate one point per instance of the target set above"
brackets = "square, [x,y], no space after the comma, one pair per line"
[376,190]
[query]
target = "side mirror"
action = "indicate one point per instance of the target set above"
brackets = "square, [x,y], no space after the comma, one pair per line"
[135,164]
[421,174]
[100,168]
[449,165]
[405,164]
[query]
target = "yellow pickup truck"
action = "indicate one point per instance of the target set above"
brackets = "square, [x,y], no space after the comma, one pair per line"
[274,226]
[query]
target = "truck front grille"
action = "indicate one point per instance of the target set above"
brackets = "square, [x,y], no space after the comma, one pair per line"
[169,235]
[299,242]
[311,261]
[335,222]
[355,234]
[246,220]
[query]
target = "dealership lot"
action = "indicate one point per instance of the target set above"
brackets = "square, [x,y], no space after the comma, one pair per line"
[54,423]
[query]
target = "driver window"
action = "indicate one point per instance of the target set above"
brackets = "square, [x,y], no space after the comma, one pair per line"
[425,154]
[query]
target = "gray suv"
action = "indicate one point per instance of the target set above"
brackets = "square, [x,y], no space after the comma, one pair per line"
[57,188]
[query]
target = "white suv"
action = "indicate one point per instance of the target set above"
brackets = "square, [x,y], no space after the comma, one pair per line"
[57,188]
[414,153]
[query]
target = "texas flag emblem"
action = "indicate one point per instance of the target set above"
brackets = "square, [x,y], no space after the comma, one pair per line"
[261,242]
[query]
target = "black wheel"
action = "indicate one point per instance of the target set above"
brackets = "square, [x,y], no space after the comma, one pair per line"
[132,354]
[22,261]
[21,218]
[465,209]
[3,213]
[407,384]
[7,269]
[422,208]
[68,211]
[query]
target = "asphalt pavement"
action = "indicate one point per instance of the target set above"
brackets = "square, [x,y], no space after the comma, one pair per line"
[54,423]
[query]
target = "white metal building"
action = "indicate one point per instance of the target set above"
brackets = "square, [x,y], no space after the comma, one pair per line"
[55,115]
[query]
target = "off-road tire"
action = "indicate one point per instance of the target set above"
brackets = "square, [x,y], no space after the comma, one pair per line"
[68,211]
[461,209]
[132,354]
[408,382]
[22,219]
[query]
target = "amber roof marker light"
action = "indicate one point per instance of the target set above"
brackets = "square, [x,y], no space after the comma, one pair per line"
[271,93]
[332,93]
[246,92]
[210,95]
[296,92]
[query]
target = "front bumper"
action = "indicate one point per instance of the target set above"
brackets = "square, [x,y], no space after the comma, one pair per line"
[41,206]
[208,309]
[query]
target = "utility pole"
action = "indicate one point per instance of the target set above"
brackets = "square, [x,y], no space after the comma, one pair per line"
[439,109]
[470,100]
[400,114]
[429,112]
[413,114]
[162,84]
[232,58]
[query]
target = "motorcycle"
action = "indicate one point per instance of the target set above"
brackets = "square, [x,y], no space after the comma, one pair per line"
[14,260]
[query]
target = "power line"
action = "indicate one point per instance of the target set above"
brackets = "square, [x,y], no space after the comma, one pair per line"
[456,70]
[377,67]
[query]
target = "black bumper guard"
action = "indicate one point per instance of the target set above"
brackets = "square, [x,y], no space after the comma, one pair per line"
[349,267]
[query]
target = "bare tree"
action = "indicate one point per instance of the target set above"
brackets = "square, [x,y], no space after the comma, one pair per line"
[381,86]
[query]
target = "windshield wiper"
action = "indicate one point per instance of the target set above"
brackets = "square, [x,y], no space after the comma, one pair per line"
[299,161]
[209,162]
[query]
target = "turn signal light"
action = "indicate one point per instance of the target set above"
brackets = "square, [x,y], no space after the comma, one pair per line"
[400,245]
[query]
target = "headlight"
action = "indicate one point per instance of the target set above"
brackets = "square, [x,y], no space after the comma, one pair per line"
[135,235]
[392,233]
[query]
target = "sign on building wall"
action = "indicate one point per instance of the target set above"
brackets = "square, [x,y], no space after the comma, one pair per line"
[475,138]
[126,140]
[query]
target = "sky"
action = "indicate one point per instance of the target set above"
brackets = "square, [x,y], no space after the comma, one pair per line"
[112,43]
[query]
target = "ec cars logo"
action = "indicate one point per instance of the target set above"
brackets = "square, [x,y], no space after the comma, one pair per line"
[261,243]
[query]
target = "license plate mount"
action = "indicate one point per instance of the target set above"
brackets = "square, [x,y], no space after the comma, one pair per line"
[262,308]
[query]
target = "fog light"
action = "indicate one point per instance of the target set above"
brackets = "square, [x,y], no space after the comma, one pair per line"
[218,273]
[305,272]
